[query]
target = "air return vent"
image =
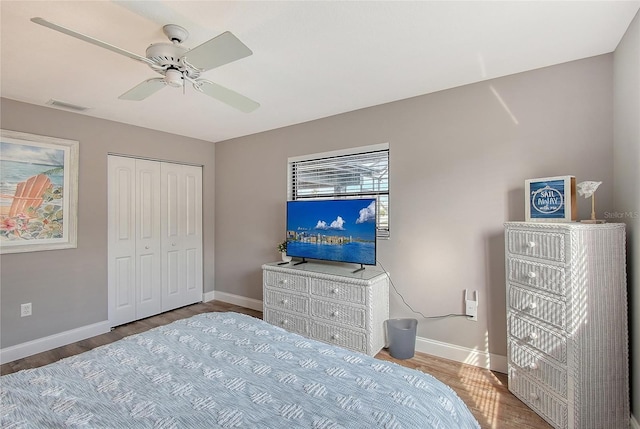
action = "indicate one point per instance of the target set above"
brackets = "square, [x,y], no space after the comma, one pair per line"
[65,105]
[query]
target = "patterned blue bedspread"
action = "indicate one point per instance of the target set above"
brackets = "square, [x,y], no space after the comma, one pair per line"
[226,370]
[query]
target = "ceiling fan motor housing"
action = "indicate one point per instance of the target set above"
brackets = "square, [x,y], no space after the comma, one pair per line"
[169,59]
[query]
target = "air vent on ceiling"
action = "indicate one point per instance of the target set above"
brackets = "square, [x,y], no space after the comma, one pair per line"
[65,105]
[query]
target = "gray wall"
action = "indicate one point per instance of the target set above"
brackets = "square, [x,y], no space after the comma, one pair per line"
[626,166]
[68,288]
[458,161]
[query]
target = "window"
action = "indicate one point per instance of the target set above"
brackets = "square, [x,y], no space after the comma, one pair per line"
[356,173]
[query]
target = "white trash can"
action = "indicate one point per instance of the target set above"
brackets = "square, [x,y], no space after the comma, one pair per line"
[402,337]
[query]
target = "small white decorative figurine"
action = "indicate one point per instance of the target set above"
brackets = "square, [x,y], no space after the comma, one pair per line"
[588,189]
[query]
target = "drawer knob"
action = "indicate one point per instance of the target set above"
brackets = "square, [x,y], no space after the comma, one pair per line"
[531,306]
[534,396]
[532,336]
[531,244]
[283,281]
[336,290]
[531,275]
[533,365]
[285,301]
[334,314]
[284,322]
[334,337]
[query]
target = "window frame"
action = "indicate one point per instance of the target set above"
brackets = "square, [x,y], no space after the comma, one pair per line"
[382,232]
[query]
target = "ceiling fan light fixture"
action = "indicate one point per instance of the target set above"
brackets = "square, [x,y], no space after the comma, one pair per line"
[173,77]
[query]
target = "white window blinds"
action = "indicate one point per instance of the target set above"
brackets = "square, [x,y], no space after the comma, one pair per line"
[356,175]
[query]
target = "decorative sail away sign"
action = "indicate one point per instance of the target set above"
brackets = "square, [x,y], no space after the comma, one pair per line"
[551,199]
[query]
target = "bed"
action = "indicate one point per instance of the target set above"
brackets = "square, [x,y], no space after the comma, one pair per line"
[226,370]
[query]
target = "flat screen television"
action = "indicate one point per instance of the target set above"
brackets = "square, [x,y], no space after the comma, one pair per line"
[332,230]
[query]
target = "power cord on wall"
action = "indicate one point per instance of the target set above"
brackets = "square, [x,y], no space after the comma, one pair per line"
[411,308]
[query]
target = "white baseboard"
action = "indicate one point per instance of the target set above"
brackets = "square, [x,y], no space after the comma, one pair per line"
[633,424]
[19,351]
[242,301]
[466,355]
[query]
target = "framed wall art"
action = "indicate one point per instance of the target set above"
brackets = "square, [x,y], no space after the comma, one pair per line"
[38,192]
[551,199]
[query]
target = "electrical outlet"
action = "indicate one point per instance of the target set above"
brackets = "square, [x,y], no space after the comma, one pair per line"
[25,309]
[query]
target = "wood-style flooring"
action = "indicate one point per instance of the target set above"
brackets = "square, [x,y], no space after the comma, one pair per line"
[485,392]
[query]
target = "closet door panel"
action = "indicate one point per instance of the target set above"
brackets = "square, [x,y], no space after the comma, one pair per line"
[193,233]
[173,258]
[148,242]
[121,265]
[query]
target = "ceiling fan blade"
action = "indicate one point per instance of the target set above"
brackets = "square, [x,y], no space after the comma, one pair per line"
[91,40]
[220,50]
[143,90]
[227,96]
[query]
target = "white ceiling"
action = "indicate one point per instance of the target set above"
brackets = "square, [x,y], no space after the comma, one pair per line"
[310,59]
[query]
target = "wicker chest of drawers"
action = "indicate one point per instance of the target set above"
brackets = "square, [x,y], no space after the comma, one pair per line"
[567,341]
[328,303]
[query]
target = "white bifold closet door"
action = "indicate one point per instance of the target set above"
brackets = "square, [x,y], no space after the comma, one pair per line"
[155,237]
[181,235]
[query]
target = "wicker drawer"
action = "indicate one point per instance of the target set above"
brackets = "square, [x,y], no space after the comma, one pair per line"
[545,277]
[286,281]
[347,315]
[343,337]
[537,244]
[536,305]
[547,341]
[286,301]
[290,322]
[539,368]
[339,291]
[549,407]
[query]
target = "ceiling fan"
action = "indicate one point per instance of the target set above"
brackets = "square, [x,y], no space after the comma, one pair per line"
[179,65]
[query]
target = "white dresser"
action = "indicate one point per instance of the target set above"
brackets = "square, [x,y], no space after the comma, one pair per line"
[567,322]
[329,303]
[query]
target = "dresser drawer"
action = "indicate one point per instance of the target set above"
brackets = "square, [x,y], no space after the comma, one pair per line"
[537,244]
[342,314]
[541,307]
[539,368]
[339,291]
[540,276]
[548,342]
[291,322]
[286,301]
[339,336]
[552,409]
[286,281]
